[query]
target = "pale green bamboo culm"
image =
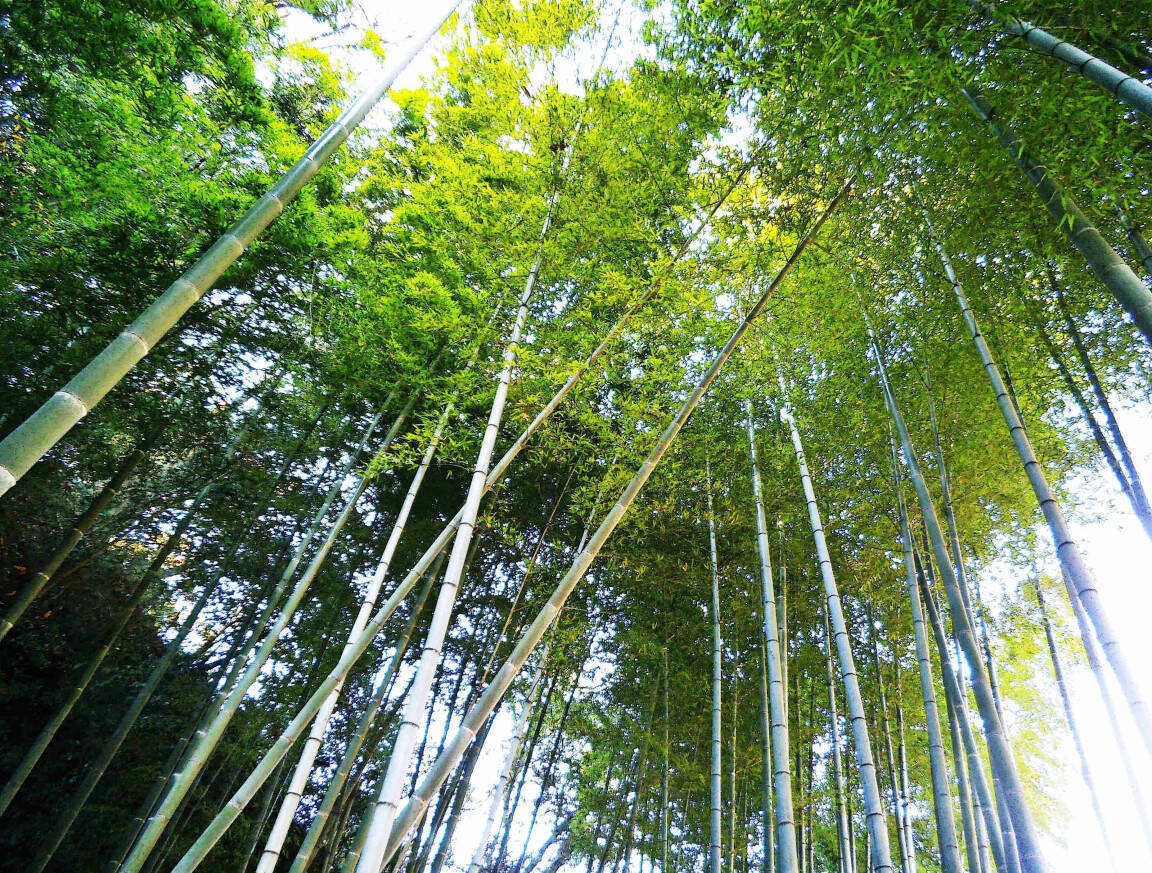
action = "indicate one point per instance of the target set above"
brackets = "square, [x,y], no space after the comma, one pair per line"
[938,763]
[1116,82]
[487,701]
[1132,294]
[714,827]
[44,428]
[999,749]
[874,816]
[1078,578]
[777,755]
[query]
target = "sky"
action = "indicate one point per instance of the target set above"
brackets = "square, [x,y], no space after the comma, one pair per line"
[1112,540]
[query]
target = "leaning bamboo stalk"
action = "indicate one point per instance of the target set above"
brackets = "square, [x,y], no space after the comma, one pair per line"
[1119,84]
[79,528]
[43,429]
[1081,584]
[1070,716]
[1132,294]
[938,764]
[300,775]
[1000,751]
[776,737]
[206,739]
[474,720]
[880,853]
[990,838]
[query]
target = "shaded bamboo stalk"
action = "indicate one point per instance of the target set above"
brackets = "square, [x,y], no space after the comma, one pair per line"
[207,738]
[1000,751]
[80,527]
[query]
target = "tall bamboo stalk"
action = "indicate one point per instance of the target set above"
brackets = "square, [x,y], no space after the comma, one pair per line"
[890,757]
[500,794]
[1082,586]
[1123,87]
[840,807]
[340,777]
[714,837]
[938,764]
[1000,752]
[1069,714]
[664,780]
[776,738]
[43,429]
[880,854]
[1132,294]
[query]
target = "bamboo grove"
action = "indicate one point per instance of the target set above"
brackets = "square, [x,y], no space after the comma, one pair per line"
[559,435]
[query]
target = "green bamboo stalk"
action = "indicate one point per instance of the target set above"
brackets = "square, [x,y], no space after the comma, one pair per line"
[982,795]
[1120,85]
[893,785]
[875,819]
[938,764]
[664,779]
[1086,410]
[43,429]
[839,807]
[1070,716]
[500,794]
[776,742]
[332,794]
[1132,294]
[1081,584]
[714,828]
[80,527]
[1000,752]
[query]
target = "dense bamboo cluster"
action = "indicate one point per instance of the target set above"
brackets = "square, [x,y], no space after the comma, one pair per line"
[653,441]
